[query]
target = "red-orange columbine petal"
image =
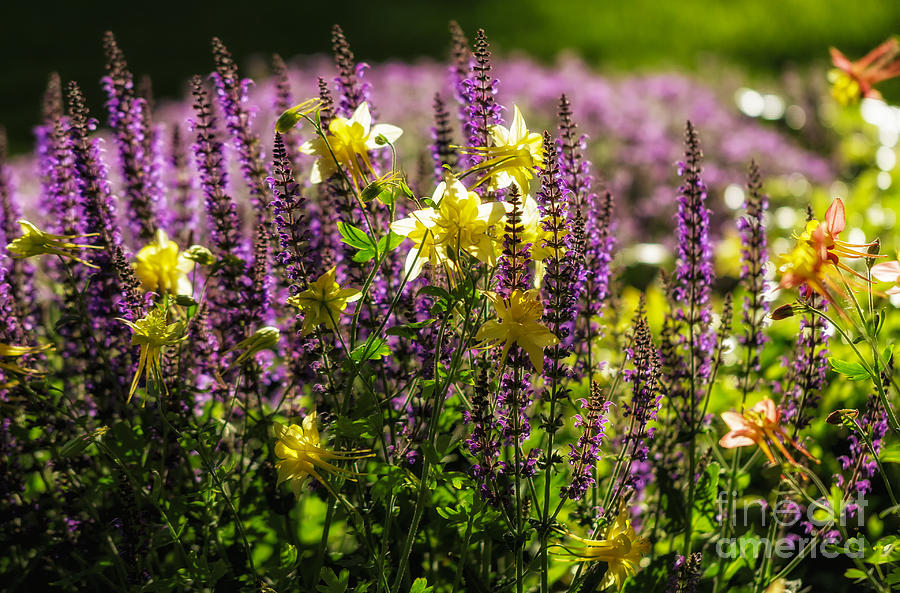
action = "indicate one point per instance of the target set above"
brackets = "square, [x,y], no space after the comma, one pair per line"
[760,426]
[853,80]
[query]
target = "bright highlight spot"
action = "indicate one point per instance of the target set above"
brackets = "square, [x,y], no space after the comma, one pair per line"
[886,158]
[750,102]
[650,253]
[734,196]
[785,217]
[773,107]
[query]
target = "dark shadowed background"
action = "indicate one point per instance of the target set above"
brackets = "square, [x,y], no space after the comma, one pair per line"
[170,41]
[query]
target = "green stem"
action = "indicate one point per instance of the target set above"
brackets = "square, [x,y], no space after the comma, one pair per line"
[432,429]
[876,376]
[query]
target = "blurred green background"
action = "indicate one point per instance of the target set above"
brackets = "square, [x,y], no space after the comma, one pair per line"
[170,41]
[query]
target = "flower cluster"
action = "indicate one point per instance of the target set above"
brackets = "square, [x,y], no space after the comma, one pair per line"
[449,302]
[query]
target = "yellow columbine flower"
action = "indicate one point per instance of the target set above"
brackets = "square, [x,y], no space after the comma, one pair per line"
[301,454]
[461,223]
[152,334]
[350,141]
[513,155]
[418,227]
[519,323]
[34,241]
[162,268]
[534,232]
[323,302]
[621,549]
[11,351]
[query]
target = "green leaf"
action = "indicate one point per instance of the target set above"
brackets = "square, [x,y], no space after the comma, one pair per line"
[289,555]
[408,330]
[375,348]
[885,550]
[333,583]
[420,585]
[852,370]
[354,237]
[364,255]
[350,429]
[890,453]
[75,446]
[706,500]
[436,292]
[156,491]
[389,242]
[855,574]
[894,577]
[406,191]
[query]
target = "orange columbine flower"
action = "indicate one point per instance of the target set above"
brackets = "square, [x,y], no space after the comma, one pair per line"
[820,251]
[833,248]
[852,80]
[760,426]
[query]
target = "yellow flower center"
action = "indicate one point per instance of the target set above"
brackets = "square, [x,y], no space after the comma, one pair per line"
[161,267]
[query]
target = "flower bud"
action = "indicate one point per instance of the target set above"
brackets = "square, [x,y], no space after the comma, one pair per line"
[839,417]
[783,312]
[292,116]
[200,254]
[265,338]
[184,300]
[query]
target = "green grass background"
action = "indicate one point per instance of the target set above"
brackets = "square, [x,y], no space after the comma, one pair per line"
[170,40]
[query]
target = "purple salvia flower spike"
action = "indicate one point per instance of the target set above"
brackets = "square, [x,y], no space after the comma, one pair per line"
[561,272]
[512,265]
[694,275]
[183,192]
[45,145]
[460,65]
[808,366]
[481,108]
[593,237]
[351,89]
[644,378]
[227,293]
[232,95]
[112,290]
[283,101]
[685,574]
[562,267]
[442,152]
[754,259]
[585,453]
[127,117]
[21,277]
[289,215]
